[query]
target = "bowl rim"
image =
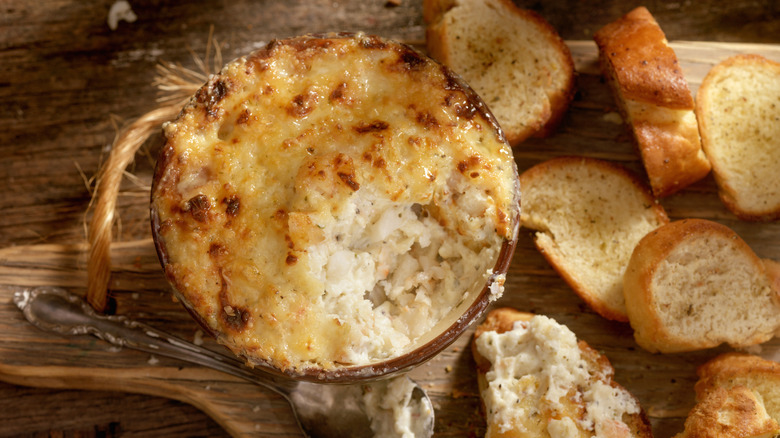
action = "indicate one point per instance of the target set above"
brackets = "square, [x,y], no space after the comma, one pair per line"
[405,361]
[377,370]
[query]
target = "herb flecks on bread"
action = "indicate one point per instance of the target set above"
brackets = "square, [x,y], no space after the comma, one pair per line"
[695,284]
[588,215]
[738,107]
[654,99]
[536,379]
[512,58]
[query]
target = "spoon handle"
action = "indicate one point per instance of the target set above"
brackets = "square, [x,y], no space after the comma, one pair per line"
[56,310]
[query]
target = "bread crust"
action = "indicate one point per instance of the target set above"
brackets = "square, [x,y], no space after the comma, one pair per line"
[732,400]
[650,331]
[593,298]
[725,367]
[635,49]
[438,42]
[502,320]
[655,100]
[731,196]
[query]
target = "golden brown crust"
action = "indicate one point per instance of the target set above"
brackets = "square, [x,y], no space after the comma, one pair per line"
[498,320]
[655,100]
[734,394]
[650,331]
[635,49]
[561,98]
[278,145]
[439,47]
[773,271]
[434,9]
[732,197]
[723,369]
[591,297]
[729,413]
[671,154]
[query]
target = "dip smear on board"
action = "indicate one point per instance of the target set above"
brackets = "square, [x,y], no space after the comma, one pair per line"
[326,201]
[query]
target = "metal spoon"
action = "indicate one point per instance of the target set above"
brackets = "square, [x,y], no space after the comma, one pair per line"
[321,410]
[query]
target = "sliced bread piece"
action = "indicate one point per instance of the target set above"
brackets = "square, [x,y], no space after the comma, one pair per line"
[537,380]
[737,412]
[511,57]
[738,107]
[654,99]
[695,284]
[737,395]
[589,214]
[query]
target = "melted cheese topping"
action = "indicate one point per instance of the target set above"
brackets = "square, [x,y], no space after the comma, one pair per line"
[325,202]
[539,383]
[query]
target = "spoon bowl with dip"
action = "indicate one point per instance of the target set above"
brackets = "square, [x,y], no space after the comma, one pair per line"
[321,410]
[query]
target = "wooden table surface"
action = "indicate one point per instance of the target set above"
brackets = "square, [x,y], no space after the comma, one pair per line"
[67,82]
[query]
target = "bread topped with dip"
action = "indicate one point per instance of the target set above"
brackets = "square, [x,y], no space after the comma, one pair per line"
[695,284]
[587,215]
[737,395]
[332,202]
[738,108]
[512,57]
[537,380]
[654,99]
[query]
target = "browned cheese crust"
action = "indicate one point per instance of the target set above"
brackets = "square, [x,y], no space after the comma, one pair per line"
[739,118]
[267,153]
[655,100]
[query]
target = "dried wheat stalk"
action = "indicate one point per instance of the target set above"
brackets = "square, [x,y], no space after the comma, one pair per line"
[176,84]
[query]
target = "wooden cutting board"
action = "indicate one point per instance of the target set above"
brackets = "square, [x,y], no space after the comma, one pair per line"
[663,383]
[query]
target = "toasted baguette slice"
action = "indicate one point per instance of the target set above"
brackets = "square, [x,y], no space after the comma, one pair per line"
[737,412]
[737,395]
[537,380]
[589,214]
[654,99]
[511,57]
[695,284]
[738,107]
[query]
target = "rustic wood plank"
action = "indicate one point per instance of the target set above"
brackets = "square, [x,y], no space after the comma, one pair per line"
[663,383]
[67,81]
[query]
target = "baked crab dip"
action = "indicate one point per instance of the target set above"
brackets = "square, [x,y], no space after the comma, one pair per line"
[334,202]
